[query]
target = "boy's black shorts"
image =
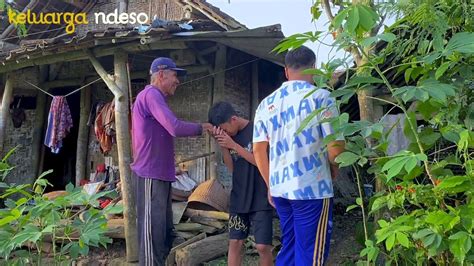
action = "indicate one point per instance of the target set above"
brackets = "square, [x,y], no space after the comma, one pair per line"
[259,224]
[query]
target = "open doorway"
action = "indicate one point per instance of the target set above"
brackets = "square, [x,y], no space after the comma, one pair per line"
[64,162]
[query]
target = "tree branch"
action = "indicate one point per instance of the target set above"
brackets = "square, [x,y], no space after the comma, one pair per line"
[376,29]
[327,9]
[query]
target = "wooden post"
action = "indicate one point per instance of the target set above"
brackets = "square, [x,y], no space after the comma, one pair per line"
[119,87]
[5,110]
[125,155]
[40,113]
[83,135]
[254,89]
[217,95]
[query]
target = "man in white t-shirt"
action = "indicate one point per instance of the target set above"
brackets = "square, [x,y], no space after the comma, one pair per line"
[298,168]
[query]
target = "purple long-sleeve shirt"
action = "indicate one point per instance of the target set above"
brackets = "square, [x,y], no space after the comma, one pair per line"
[154,127]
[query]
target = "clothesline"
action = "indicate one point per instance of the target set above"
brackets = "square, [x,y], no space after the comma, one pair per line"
[72,92]
[189,81]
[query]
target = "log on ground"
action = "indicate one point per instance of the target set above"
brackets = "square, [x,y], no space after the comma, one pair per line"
[204,250]
[208,214]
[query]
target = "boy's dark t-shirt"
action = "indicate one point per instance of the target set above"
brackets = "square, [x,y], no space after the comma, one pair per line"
[249,191]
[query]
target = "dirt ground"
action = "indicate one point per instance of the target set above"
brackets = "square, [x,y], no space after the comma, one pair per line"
[344,246]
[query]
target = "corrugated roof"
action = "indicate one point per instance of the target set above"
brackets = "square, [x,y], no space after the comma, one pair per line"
[258,42]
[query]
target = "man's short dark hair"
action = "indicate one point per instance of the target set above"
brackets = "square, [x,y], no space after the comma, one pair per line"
[299,58]
[220,113]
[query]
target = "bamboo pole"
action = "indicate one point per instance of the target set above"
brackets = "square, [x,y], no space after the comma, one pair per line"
[217,95]
[254,89]
[125,155]
[40,112]
[118,84]
[83,135]
[5,110]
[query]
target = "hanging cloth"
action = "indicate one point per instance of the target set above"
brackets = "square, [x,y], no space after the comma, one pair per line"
[59,123]
[104,126]
[18,114]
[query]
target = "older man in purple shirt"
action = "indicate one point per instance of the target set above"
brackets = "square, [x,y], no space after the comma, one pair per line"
[154,127]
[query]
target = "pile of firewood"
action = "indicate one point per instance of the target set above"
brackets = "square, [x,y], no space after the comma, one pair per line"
[200,236]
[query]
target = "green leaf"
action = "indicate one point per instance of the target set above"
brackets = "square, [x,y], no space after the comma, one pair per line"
[362,80]
[462,42]
[395,170]
[439,218]
[29,234]
[460,244]
[410,164]
[382,223]
[438,90]
[452,182]
[429,59]
[10,152]
[352,19]
[450,133]
[422,233]
[313,71]
[339,18]
[388,37]
[403,239]
[351,207]
[408,74]
[399,157]
[377,204]
[70,188]
[359,201]
[48,229]
[7,220]
[45,174]
[347,158]
[440,71]
[368,41]
[421,157]
[390,242]
[113,209]
[367,21]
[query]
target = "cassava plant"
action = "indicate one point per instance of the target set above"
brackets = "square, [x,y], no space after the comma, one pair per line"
[422,68]
[29,219]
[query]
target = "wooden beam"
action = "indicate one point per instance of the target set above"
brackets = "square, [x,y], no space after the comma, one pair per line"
[217,95]
[61,83]
[254,89]
[208,50]
[109,81]
[5,110]
[134,46]
[83,135]
[41,60]
[125,154]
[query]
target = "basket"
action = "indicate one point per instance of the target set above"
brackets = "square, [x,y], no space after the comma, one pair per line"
[209,195]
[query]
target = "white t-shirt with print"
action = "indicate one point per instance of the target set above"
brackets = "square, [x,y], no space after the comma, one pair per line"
[299,166]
